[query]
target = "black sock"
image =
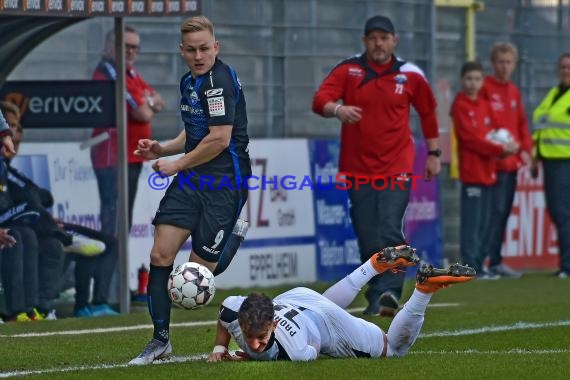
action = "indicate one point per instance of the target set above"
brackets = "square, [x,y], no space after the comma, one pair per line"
[159,302]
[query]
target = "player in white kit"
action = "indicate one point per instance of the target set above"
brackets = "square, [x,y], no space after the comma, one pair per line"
[301,324]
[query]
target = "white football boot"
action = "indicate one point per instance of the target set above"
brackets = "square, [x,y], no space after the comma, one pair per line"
[154,350]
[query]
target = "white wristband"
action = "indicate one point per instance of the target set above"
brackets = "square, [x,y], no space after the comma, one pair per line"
[336,108]
[219,349]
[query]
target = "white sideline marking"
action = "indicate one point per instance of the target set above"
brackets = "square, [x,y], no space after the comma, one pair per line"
[440,304]
[183,359]
[148,326]
[174,359]
[486,329]
[106,330]
[513,351]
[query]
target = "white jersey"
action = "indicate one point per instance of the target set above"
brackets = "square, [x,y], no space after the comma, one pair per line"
[308,324]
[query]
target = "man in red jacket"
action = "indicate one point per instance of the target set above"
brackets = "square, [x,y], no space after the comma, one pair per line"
[377,90]
[142,103]
[478,157]
[508,112]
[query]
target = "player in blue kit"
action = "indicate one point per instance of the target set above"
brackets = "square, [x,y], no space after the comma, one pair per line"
[301,324]
[215,142]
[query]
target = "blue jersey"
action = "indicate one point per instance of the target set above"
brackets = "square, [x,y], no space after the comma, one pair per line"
[216,98]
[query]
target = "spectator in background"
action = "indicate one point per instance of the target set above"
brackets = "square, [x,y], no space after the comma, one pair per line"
[11,275]
[21,294]
[143,102]
[508,113]
[42,238]
[551,135]
[5,136]
[11,253]
[377,91]
[478,157]
[41,241]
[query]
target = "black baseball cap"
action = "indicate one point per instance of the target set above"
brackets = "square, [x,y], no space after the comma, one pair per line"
[379,23]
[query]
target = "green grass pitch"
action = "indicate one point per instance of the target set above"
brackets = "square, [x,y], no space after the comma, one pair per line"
[502,329]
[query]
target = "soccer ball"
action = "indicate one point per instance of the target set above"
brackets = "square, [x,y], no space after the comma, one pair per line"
[500,136]
[191,285]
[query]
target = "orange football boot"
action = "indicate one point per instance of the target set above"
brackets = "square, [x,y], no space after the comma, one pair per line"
[394,259]
[430,279]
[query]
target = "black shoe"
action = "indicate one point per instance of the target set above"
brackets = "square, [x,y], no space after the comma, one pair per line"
[388,305]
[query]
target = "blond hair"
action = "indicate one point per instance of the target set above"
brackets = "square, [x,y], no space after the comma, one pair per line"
[7,107]
[503,47]
[197,24]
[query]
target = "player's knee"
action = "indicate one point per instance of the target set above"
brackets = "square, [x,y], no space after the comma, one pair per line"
[161,258]
[396,352]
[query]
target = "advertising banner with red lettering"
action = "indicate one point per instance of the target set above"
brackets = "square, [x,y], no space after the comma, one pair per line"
[530,238]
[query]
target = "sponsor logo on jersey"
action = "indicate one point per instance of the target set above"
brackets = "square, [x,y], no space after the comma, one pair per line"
[214,92]
[210,250]
[400,78]
[194,96]
[216,106]
[355,72]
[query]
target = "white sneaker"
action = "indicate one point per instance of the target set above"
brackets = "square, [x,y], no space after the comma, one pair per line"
[84,246]
[51,316]
[505,271]
[154,350]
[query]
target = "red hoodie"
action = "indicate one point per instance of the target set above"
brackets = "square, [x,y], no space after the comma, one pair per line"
[508,113]
[381,142]
[477,155]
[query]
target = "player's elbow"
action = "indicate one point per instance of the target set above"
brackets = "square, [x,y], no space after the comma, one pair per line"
[221,142]
[318,105]
[142,114]
[220,137]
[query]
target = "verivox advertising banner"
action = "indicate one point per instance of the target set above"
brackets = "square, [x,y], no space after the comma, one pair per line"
[63,104]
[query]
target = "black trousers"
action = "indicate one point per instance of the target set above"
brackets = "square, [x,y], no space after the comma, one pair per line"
[557,192]
[502,195]
[475,213]
[11,270]
[378,221]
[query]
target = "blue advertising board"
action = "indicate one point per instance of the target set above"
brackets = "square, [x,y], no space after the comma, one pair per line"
[337,248]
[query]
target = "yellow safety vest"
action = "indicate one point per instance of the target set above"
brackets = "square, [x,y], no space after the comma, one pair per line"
[551,126]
